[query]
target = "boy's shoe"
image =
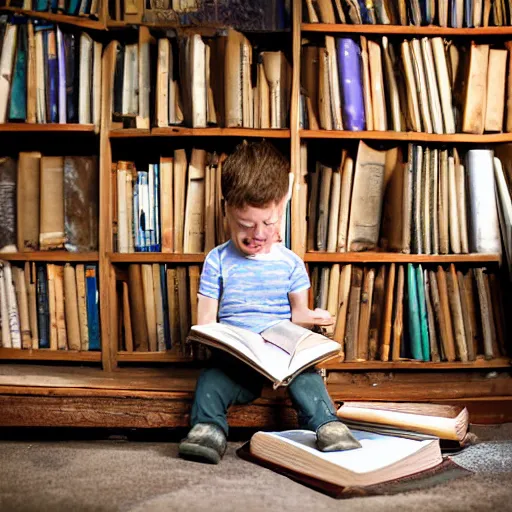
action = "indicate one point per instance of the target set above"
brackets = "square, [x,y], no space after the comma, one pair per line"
[206,442]
[335,436]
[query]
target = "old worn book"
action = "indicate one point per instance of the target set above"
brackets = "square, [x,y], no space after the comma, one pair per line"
[149,306]
[279,353]
[166,203]
[138,318]
[344,210]
[28,201]
[193,237]
[387,321]
[364,313]
[52,234]
[7,205]
[496,83]
[71,308]
[448,422]
[180,173]
[376,313]
[341,315]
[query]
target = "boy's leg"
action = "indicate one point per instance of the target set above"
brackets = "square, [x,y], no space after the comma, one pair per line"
[316,412]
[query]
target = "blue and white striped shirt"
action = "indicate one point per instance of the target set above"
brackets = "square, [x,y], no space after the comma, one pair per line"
[252,290]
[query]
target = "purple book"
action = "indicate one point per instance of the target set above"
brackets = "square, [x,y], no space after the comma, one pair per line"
[52,77]
[61,57]
[349,68]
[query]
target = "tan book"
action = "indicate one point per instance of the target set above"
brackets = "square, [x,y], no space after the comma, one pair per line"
[23,312]
[434,350]
[476,89]
[434,199]
[413,104]
[40,79]
[247,94]
[27,221]
[31,74]
[144,77]
[398,319]
[97,49]
[82,306]
[387,320]
[345,198]
[407,196]
[426,219]
[341,314]
[421,84]
[313,207]
[380,121]
[233,79]
[30,283]
[460,184]
[174,314]
[126,319]
[365,313]
[162,82]
[159,311]
[334,83]
[300,205]
[443,305]
[367,196]
[486,12]
[496,84]
[442,12]
[7,67]
[323,288]
[193,236]
[149,306]
[508,115]
[334,211]
[166,203]
[71,308]
[376,313]
[184,305]
[273,63]
[454,221]
[86,63]
[354,305]
[180,173]
[309,82]
[52,203]
[494,339]
[324,95]
[123,221]
[323,207]
[50,273]
[62,338]
[198,85]
[456,311]
[137,310]
[263,99]
[443,203]
[313,16]
[194,272]
[485,314]
[432,88]
[367,90]
[209,207]
[393,97]
[466,316]
[5,337]
[325,11]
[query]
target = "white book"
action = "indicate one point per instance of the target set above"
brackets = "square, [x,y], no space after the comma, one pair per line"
[13,319]
[4,312]
[144,80]
[130,99]
[432,89]
[504,208]
[485,234]
[62,90]
[6,68]
[279,353]
[86,68]
[443,82]
[197,62]
[96,86]
[162,82]
[122,220]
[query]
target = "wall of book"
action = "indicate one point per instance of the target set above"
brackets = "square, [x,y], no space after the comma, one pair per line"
[82,9]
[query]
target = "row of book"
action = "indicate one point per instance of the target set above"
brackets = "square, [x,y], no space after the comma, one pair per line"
[429,201]
[444,13]
[88,8]
[49,74]
[48,203]
[200,82]
[49,306]
[400,312]
[157,306]
[422,85]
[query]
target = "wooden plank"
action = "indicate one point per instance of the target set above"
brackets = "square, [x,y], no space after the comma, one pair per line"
[125,133]
[430,30]
[155,257]
[180,131]
[63,256]
[49,355]
[146,357]
[79,21]
[47,128]
[408,136]
[395,257]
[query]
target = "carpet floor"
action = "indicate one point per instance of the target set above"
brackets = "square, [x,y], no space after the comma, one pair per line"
[120,474]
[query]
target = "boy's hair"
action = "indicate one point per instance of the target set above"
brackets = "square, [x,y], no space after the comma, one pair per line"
[255,174]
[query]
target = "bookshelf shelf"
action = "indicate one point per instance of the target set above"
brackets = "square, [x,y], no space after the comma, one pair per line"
[147,357]
[48,127]
[155,257]
[480,363]
[431,30]
[487,138]
[50,256]
[79,21]
[392,257]
[178,131]
[49,355]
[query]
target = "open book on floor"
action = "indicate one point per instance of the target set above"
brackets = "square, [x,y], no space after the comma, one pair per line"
[383,465]
[280,352]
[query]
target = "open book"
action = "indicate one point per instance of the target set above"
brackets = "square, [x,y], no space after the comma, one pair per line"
[280,352]
[380,459]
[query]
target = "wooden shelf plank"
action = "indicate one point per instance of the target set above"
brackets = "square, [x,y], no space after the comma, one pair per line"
[486,138]
[49,355]
[394,257]
[49,256]
[79,21]
[180,131]
[46,127]
[155,257]
[431,30]
[146,357]
[125,133]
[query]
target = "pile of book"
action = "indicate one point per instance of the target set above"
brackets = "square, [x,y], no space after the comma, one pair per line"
[49,74]
[49,202]
[49,306]
[399,312]
[158,304]
[200,82]
[68,7]
[437,201]
[445,13]
[355,83]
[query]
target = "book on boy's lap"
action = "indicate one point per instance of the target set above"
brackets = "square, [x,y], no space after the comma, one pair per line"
[280,352]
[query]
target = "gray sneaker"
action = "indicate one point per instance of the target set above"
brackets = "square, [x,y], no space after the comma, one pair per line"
[206,442]
[335,436]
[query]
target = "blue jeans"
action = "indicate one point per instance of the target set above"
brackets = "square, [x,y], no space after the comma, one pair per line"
[233,382]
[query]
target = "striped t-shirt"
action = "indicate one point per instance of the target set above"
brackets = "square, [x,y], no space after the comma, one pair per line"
[252,290]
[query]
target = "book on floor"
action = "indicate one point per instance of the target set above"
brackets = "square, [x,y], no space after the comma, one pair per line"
[280,352]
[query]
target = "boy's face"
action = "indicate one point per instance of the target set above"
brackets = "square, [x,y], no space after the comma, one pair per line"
[254,230]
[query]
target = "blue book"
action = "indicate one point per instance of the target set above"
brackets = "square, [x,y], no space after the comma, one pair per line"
[72,79]
[468,13]
[288,227]
[53,77]
[135,220]
[18,100]
[425,343]
[165,307]
[93,315]
[43,312]
[41,5]
[413,314]
[156,211]
[73,7]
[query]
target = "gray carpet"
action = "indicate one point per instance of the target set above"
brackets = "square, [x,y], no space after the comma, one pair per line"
[110,475]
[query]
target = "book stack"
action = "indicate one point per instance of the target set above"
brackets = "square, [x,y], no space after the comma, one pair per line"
[424,313]
[48,203]
[69,7]
[49,306]
[421,85]
[200,82]
[49,74]
[444,13]
[428,201]
[158,305]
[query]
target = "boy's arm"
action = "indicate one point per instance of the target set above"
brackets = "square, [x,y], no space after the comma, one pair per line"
[207,309]
[304,316]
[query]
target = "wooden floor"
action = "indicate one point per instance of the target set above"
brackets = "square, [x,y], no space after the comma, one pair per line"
[53,395]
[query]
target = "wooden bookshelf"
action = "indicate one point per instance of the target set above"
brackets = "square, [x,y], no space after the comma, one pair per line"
[152,357]
[179,131]
[50,355]
[79,21]
[155,257]
[55,256]
[46,128]
[393,257]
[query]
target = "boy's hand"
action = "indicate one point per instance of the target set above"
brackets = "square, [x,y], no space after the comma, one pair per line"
[308,317]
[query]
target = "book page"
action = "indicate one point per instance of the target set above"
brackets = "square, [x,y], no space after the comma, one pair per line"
[286,335]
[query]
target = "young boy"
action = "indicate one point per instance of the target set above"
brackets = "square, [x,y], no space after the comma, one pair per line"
[253,282]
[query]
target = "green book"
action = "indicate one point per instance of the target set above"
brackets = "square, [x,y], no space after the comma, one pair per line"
[18,101]
[414,314]
[425,348]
